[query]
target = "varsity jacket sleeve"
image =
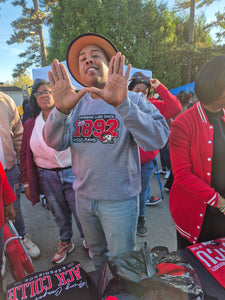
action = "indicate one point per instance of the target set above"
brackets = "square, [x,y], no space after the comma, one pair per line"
[144,121]
[169,106]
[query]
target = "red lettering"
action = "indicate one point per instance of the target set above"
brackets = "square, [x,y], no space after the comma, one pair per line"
[39,286]
[12,294]
[99,125]
[114,125]
[31,284]
[49,283]
[71,276]
[61,278]
[77,131]
[87,128]
[77,271]
[22,287]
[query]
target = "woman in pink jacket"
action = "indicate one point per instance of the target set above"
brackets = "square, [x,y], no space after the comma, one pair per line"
[197,144]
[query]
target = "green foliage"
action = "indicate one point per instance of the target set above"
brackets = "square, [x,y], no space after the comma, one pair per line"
[22,81]
[220,22]
[145,31]
[150,36]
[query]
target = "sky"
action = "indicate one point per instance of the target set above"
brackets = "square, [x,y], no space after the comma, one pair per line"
[9,53]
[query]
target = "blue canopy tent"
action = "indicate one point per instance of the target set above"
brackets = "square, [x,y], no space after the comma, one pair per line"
[186,88]
[42,73]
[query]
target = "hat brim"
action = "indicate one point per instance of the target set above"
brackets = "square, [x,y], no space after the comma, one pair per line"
[72,57]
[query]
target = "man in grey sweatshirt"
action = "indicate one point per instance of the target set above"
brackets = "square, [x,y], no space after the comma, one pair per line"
[103,125]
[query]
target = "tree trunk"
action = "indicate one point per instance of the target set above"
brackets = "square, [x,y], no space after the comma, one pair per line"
[41,36]
[190,40]
[43,47]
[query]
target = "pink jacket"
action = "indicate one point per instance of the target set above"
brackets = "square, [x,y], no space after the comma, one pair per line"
[169,107]
[191,149]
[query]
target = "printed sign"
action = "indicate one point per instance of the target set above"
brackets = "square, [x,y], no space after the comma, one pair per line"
[212,256]
[68,281]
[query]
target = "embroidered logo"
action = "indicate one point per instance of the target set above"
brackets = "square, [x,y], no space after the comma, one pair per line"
[91,128]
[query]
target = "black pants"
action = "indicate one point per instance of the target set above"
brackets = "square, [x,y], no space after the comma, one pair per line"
[169,181]
[165,157]
[213,227]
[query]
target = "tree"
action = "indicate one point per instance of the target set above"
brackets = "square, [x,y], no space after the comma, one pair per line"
[142,30]
[29,29]
[220,22]
[180,6]
[150,36]
[24,82]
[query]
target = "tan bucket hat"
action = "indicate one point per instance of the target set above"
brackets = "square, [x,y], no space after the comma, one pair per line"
[81,41]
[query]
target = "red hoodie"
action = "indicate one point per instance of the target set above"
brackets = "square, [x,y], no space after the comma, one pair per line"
[169,107]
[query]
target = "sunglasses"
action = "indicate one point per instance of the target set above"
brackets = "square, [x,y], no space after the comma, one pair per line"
[45,92]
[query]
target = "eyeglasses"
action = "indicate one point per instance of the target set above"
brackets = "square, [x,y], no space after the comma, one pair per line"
[45,92]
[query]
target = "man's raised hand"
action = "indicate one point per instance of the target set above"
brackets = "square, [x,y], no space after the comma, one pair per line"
[65,97]
[116,88]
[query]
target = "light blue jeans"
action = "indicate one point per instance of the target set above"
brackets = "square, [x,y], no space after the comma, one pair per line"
[13,176]
[109,226]
[57,186]
[146,176]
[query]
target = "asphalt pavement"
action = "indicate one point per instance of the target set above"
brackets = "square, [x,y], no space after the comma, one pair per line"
[43,231]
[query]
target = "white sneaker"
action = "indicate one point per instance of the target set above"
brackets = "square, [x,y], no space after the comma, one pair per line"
[3,264]
[85,245]
[161,171]
[167,175]
[32,249]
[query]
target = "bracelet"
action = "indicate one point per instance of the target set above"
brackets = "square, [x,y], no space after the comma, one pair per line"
[222,208]
[26,185]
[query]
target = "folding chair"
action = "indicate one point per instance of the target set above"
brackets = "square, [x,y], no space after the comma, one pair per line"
[16,252]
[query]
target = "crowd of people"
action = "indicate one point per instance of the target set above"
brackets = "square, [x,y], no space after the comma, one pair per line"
[57,152]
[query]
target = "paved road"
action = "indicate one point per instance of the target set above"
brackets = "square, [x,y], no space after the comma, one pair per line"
[42,229]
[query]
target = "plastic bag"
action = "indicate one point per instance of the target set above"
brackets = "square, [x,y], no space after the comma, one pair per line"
[176,279]
[134,276]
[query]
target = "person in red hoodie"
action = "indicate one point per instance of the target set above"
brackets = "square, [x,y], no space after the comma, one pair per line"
[7,197]
[169,107]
